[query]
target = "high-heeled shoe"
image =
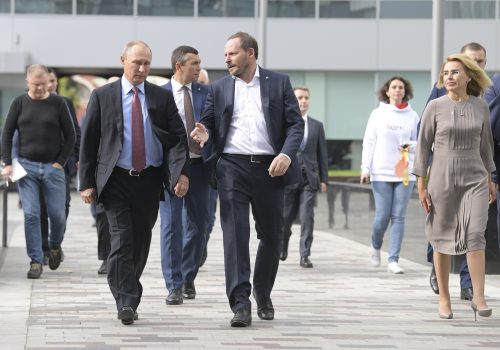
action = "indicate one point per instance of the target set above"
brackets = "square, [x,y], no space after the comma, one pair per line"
[482,312]
[446,316]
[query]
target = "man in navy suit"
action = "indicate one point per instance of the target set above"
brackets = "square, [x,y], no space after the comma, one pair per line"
[254,122]
[183,241]
[301,197]
[133,144]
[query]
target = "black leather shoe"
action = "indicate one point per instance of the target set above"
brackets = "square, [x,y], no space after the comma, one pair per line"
[265,309]
[284,251]
[136,316]
[188,290]
[305,262]
[242,318]
[103,270]
[174,297]
[466,294]
[433,281]
[126,315]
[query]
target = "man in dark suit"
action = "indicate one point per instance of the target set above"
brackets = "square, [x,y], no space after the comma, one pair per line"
[301,197]
[183,241]
[254,122]
[133,140]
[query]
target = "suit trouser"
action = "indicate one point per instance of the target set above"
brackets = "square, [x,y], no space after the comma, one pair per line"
[240,184]
[131,205]
[182,241]
[103,238]
[300,198]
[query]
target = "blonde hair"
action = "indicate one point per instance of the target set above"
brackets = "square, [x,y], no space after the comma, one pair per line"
[479,80]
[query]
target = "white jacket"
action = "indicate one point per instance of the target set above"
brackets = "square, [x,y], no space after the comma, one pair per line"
[388,129]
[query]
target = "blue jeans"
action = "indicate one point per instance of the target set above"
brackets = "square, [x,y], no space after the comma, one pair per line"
[52,181]
[391,201]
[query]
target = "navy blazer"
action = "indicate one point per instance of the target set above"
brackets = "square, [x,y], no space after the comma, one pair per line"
[102,135]
[492,97]
[199,93]
[284,122]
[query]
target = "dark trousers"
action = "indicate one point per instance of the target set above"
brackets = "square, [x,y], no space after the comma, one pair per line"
[300,198]
[240,184]
[182,241]
[103,237]
[131,205]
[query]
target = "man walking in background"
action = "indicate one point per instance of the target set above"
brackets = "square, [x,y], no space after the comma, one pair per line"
[183,241]
[301,198]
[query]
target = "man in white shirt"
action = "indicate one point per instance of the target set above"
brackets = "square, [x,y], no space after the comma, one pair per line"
[254,121]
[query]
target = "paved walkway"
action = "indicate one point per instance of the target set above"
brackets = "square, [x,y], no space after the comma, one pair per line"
[341,303]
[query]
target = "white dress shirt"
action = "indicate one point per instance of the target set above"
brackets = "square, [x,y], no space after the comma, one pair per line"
[248,130]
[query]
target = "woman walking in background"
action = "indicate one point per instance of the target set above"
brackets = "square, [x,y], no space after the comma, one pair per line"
[390,135]
[459,182]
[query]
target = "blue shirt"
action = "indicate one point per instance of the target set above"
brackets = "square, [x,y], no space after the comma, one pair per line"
[154,150]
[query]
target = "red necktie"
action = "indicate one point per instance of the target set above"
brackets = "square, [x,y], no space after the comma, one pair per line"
[194,147]
[138,148]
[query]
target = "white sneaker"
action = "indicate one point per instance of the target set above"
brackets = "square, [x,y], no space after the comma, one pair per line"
[395,268]
[375,257]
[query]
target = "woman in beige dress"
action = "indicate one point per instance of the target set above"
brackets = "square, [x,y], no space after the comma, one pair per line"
[456,127]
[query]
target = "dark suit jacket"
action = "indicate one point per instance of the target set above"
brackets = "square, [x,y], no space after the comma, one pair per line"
[314,154]
[199,92]
[102,134]
[284,122]
[492,96]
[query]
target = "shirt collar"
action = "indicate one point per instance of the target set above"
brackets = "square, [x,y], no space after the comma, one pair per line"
[127,86]
[254,79]
[176,86]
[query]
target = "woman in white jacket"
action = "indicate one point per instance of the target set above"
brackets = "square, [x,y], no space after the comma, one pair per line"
[391,133]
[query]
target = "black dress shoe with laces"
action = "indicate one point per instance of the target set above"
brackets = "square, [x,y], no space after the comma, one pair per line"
[433,281]
[242,318]
[305,262]
[174,297]
[265,308]
[127,315]
[188,290]
[466,294]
